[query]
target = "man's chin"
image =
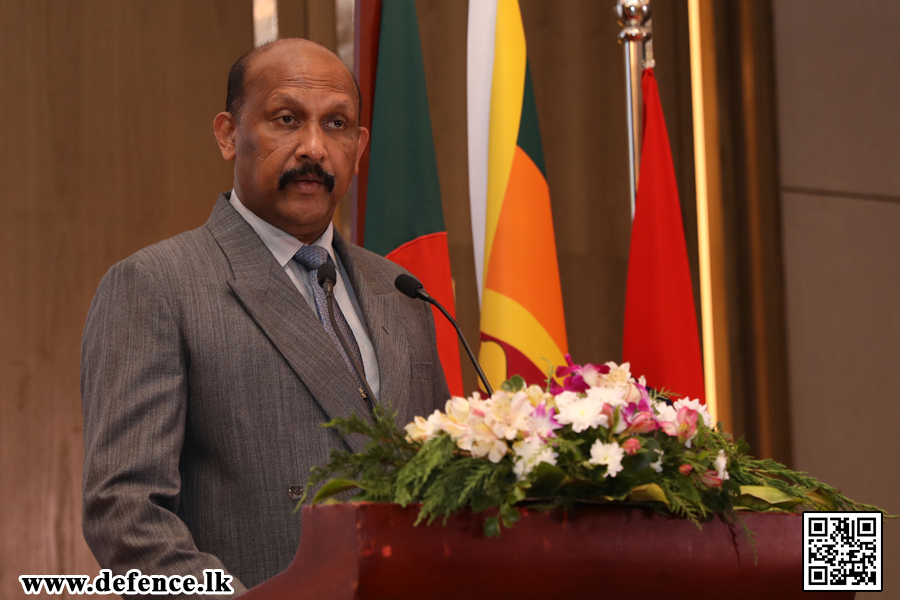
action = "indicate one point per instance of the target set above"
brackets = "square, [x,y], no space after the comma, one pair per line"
[306,221]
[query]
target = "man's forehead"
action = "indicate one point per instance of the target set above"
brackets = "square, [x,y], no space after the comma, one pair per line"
[294,63]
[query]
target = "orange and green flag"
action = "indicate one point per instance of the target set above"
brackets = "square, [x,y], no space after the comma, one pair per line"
[523,325]
[404,220]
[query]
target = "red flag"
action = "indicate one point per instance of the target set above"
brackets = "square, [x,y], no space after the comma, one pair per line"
[661,336]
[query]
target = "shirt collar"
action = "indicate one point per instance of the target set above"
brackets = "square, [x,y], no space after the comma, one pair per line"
[281,244]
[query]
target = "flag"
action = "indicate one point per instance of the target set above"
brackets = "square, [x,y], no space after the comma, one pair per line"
[661,337]
[404,220]
[523,329]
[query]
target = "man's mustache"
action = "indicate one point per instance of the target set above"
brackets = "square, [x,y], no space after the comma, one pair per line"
[310,170]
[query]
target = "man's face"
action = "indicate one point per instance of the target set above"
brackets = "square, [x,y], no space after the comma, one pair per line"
[298,142]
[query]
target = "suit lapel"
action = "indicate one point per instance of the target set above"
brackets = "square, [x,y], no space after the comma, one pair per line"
[270,298]
[377,300]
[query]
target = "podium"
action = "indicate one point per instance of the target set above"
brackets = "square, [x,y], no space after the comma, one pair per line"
[371,551]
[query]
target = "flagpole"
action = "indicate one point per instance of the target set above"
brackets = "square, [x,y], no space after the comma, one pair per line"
[632,15]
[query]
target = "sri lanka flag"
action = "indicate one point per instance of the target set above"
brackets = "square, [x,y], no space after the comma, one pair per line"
[522,321]
[404,220]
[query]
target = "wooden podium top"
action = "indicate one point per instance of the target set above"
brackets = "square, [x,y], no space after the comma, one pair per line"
[373,552]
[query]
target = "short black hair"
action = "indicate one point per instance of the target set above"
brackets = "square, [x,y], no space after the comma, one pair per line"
[234,99]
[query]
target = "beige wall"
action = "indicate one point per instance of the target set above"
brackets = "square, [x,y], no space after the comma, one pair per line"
[840,170]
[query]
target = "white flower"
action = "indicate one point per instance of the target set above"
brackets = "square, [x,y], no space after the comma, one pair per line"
[421,430]
[547,455]
[657,466]
[498,451]
[665,412]
[608,395]
[607,454]
[582,414]
[528,448]
[483,442]
[695,404]
[537,395]
[530,453]
[565,398]
[619,375]
[458,408]
[720,463]
[455,421]
[508,415]
[632,393]
[480,438]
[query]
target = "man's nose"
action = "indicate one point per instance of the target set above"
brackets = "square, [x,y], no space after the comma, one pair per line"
[312,143]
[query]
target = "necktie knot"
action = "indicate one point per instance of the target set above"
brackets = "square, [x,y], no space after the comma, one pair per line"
[311,257]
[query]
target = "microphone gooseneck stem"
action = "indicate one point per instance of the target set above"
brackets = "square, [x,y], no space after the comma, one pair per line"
[462,338]
[360,374]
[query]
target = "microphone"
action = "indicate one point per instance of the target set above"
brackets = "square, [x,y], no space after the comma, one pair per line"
[413,288]
[327,279]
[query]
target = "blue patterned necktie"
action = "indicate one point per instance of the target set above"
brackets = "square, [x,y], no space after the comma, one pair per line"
[313,257]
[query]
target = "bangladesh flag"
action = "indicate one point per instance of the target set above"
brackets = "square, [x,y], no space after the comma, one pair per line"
[404,220]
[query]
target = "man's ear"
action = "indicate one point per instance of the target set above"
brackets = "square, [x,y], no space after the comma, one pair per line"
[225,127]
[363,140]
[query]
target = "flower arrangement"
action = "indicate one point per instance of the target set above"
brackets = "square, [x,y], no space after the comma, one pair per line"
[600,436]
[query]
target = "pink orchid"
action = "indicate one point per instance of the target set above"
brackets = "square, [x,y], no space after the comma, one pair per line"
[631,446]
[578,378]
[711,479]
[638,416]
[684,427]
[542,421]
[685,469]
[641,406]
[642,422]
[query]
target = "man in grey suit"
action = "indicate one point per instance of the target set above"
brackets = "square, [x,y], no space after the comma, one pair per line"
[206,369]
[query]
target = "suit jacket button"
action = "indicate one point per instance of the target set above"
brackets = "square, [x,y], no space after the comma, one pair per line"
[295,491]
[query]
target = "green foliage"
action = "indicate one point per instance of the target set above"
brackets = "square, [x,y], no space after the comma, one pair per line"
[417,473]
[514,384]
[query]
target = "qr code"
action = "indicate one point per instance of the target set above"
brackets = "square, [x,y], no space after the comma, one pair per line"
[842,551]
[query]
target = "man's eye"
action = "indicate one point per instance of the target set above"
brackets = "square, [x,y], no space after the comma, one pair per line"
[286,119]
[337,124]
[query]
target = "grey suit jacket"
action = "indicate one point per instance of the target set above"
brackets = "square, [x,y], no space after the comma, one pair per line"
[205,379]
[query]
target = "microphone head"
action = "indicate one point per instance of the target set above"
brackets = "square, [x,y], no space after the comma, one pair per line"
[327,273]
[408,284]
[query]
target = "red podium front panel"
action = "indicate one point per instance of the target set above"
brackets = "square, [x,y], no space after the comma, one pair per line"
[373,552]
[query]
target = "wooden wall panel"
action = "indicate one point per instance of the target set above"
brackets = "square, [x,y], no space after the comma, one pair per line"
[107,147]
[310,19]
[442,29]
